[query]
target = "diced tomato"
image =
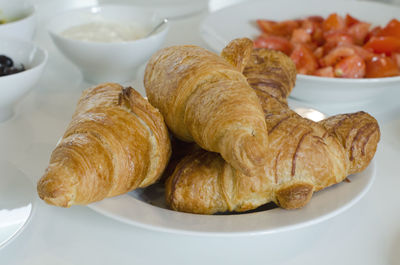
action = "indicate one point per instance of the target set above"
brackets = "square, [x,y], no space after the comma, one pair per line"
[363,53]
[311,45]
[300,36]
[334,22]
[325,72]
[373,33]
[381,66]
[282,29]
[309,25]
[267,26]
[391,29]
[359,32]
[317,19]
[287,27]
[341,37]
[314,29]
[350,67]
[319,52]
[350,20]
[338,46]
[303,57]
[396,59]
[336,55]
[274,43]
[318,36]
[383,44]
[336,39]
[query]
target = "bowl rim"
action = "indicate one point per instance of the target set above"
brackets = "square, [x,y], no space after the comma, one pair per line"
[34,47]
[31,13]
[164,29]
[339,80]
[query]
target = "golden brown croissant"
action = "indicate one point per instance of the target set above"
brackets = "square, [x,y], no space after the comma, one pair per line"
[205,99]
[116,142]
[303,156]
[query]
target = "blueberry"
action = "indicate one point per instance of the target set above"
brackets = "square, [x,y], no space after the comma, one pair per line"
[6,61]
[7,66]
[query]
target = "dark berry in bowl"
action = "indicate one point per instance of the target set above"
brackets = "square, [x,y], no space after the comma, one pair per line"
[6,61]
[7,66]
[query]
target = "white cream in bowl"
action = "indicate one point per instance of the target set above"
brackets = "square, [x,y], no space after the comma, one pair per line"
[107,43]
[106,31]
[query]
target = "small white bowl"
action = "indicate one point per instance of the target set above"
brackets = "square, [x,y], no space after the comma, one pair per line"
[22,19]
[13,87]
[108,61]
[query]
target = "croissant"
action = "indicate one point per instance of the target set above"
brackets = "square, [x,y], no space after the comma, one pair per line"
[303,156]
[116,142]
[205,99]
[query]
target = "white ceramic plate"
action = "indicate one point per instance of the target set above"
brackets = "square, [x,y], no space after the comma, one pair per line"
[17,197]
[146,208]
[238,21]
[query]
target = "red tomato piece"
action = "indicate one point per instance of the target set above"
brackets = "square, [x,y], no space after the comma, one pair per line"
[303,57]
[300,36]
[286,27]
[309,25]
[325,72]
[350,20]
[363,53]
[274,43]
[359,32]
[311,45]
[381,66]
[282,29]
[396,59]
[336,55]
[317,19]
[319,52]
[383,44]
[267,26]
[314,28]
[350,67]
[334,22]
[391,29]
[373,33]
[337,39]
[318,36]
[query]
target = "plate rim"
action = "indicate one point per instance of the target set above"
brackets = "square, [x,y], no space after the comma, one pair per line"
[97,207]
[33,204]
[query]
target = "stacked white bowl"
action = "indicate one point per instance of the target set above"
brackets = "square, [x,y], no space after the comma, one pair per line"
[16,32]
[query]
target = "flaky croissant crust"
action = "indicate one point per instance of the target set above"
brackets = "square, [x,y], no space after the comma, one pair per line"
[205,99]
[115,142]
[303,156]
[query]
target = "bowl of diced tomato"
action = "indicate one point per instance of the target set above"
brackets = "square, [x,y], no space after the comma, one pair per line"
[344,51]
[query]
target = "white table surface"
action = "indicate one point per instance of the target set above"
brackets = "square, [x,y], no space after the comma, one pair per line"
[367,233]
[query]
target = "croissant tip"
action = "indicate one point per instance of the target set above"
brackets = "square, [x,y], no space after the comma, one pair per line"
[53,196]
[295,195]
[56,202]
